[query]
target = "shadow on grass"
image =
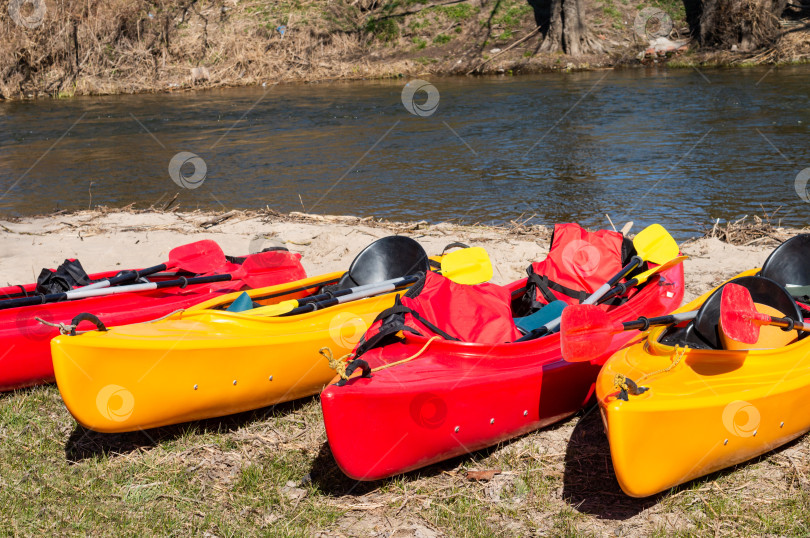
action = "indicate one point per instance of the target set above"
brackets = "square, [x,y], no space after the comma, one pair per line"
[85,444]
[589,482]
[326,474]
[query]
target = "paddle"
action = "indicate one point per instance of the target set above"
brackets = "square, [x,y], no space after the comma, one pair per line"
[740,320]
[469,265]
[653,244]
[253,266]
[371,290]
[642,278]
[466,266]
[198,257]
[586,331]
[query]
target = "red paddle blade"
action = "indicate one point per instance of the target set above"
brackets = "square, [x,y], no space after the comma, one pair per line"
[199,257]
[739,319]
[585,332]
[268,268]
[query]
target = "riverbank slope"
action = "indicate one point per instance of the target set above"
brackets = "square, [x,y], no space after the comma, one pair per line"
[77,48]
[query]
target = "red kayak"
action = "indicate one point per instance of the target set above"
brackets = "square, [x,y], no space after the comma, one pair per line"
[439,398]
[25,357]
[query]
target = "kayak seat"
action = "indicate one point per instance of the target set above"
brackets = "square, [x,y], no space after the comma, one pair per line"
[394,256]
[789,263]
[242,303]
[769,296]
[549,312]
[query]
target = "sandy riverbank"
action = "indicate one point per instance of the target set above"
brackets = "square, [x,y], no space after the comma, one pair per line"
[109,239]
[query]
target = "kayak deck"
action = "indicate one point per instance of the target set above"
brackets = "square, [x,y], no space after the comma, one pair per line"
[454,398]
[704,409]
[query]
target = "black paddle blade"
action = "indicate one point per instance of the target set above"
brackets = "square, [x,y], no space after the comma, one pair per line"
[394,256]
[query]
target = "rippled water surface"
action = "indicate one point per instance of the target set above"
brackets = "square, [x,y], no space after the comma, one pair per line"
[680,147]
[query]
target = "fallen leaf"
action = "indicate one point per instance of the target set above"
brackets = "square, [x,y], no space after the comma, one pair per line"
[484,475]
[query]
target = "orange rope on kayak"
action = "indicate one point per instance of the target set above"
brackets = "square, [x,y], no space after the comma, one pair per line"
[677,355]
[412,357]
[339,365]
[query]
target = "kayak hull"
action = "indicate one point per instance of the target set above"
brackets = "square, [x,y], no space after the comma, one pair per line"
[455,398]
[206,362]
[705,410]
[26,359]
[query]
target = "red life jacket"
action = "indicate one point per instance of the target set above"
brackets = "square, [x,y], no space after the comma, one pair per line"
[438,306]
[578,263]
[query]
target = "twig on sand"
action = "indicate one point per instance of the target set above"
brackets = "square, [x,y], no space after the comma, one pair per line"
[168,204]
[218,219]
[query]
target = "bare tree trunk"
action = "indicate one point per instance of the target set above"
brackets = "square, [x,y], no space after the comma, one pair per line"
[574,30]
[553,39]
[568,30]
[746,24]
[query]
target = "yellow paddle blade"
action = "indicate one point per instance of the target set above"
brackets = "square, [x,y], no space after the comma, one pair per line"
[276,309]
[655,245]
[467,265]
[643,277]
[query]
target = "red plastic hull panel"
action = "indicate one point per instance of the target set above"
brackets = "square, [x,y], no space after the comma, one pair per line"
[457,398]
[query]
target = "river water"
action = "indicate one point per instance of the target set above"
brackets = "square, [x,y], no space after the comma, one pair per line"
[681,147]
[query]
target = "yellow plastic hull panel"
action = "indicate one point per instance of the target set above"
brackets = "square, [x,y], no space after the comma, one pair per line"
[705,410]
[204,362]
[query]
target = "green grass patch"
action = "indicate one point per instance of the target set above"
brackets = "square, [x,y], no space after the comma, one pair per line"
[420,43]
[442,39]
[386,30]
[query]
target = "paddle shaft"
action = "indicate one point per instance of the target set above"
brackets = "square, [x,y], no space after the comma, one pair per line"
[374,289]
[124,276]
[396,282]
[785,323]
[635,262]
[81,294]
[671,319]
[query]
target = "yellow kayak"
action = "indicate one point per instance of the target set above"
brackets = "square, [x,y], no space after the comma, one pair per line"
[206,362]
[704,408]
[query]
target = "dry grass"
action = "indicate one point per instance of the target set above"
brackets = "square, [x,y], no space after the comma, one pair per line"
[270,473]
[117,46]
[761,231]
